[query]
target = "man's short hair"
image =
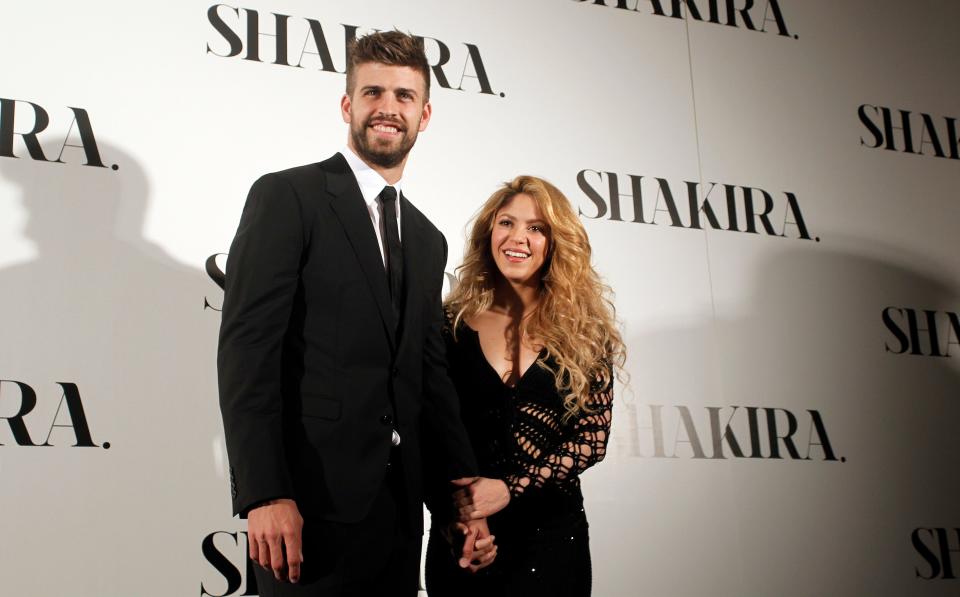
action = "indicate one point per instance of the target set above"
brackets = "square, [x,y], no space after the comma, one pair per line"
[393,48]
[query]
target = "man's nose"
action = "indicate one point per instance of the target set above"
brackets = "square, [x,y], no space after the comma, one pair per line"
[387,104]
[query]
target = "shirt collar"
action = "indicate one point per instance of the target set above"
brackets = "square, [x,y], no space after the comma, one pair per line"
[370,181]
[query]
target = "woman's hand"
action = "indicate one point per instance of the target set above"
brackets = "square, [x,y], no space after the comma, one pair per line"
[479,549]
[479,497]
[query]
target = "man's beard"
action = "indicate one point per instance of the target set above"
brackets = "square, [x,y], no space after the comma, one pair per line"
[382,156]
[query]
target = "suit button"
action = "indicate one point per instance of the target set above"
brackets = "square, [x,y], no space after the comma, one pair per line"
[396,371]
[386,420]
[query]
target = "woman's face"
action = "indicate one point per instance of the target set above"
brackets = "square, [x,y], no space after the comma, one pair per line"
[519,241]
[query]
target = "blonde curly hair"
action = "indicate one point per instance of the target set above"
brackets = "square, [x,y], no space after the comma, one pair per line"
[574,318]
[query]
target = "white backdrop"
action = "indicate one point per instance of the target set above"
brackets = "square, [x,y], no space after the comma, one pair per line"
[112,465]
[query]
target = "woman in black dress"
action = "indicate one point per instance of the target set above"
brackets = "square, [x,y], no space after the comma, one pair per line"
[532,345]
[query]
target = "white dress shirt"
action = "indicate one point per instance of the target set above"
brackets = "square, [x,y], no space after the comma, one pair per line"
[371,185]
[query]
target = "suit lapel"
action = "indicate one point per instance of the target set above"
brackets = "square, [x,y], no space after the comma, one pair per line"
[414,260]
[351,210]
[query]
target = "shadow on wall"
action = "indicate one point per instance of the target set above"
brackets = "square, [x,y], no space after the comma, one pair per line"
[806,334]
[106,309]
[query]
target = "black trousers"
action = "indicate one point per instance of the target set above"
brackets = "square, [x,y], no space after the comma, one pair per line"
[376,557]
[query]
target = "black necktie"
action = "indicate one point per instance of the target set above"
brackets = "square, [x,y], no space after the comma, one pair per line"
[388,199]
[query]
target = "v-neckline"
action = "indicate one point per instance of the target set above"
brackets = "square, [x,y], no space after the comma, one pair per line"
[492,369]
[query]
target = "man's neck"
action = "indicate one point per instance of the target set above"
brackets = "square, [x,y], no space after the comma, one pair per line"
[391,175]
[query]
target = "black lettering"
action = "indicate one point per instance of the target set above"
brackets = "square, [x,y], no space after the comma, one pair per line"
[732,11]
[697,208]
[443,58]
[726,434]
[691,432]
[926,553]
[7,116]
[793,208]
[222,564]
[714,12]
[636,196]
[656,426]
[929,130]
[349,34]
[931,330]
[776,438]
[217,275]
[752,215]
[754,426]
[871,126]
[951,136]
[896,331]
[816,426]
[691,8]
[591,194]
[945,550]
[772,6]
[236,44]
[731,193]
[320,43]
[87,141]
[78,418]
[620,3]
[28,401]
[254,33]
[888,128]
[953,332]
[473,57]
[664,191]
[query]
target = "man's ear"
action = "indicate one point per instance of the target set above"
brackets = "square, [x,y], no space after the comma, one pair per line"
[425,116]
[345,108]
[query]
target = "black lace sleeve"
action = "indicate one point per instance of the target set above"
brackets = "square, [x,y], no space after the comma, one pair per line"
[586,444]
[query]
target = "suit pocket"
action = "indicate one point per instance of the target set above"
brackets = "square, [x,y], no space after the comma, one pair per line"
[321,407]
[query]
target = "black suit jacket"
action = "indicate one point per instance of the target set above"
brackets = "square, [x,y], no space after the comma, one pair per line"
[313,373]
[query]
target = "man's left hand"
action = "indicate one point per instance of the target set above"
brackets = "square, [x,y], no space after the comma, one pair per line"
[479,497]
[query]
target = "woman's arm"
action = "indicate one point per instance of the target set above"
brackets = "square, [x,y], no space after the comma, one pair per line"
[587,447]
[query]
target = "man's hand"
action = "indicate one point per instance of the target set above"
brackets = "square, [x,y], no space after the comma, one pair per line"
[479,549]
[274,533]
[479,497]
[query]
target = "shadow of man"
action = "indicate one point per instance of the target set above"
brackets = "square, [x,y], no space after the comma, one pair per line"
[110,312]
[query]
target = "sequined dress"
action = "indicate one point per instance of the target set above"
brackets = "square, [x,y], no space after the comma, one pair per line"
[518,436]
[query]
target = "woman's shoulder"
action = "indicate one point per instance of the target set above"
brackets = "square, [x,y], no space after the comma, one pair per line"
[452,327]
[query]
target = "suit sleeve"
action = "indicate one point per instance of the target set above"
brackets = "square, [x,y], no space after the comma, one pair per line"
[261,281]
[445,437]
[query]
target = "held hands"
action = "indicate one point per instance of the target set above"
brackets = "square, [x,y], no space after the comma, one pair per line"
[479,549]
[479,497]
[274,533]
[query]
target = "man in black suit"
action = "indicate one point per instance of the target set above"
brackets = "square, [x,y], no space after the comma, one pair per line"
[331,365]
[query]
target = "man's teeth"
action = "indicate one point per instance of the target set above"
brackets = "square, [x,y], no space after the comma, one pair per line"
[516,254]
[385,129]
